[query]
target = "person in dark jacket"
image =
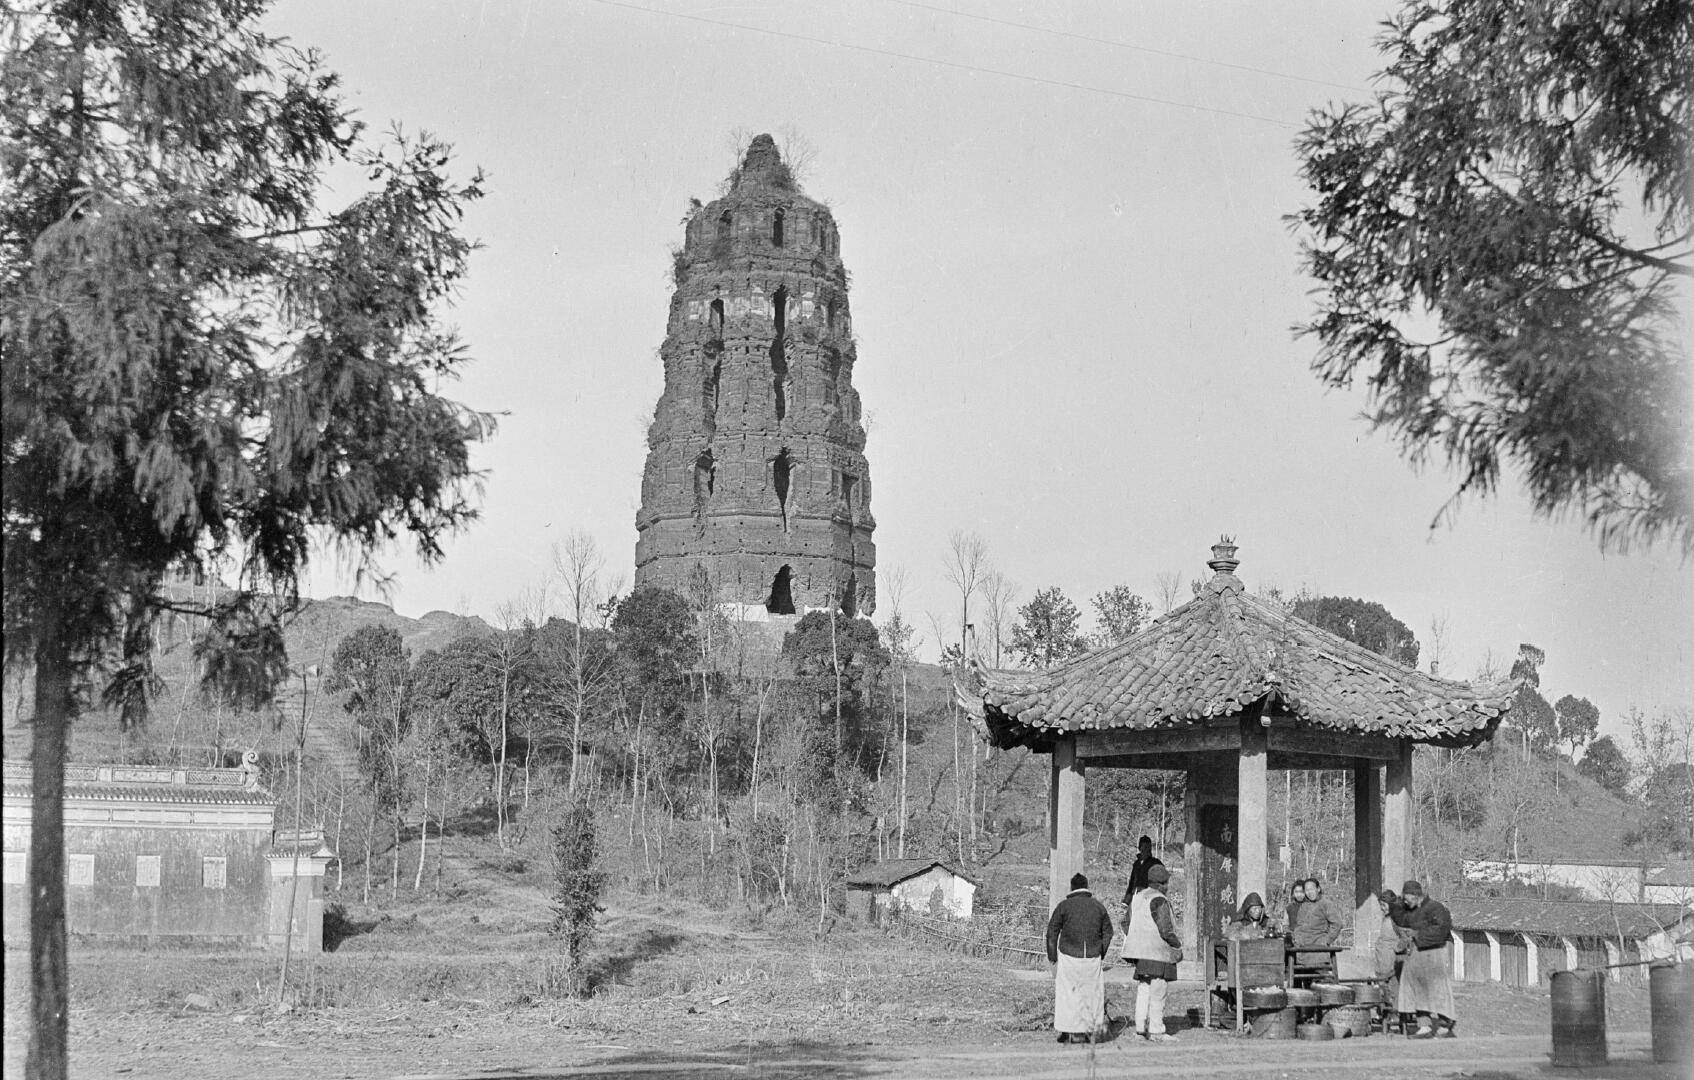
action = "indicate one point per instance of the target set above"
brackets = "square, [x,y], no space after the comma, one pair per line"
[1291,914]
[1145,860]
[1316,924]
[1252,921]
[1425,985]
[1152,944]
[1078,935]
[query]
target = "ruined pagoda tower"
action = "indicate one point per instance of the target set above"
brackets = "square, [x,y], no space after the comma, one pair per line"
[756,481]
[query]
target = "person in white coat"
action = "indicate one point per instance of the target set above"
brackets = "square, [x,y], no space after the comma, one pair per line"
[1152,945]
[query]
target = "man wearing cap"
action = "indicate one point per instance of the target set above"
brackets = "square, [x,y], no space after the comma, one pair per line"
[1425,986]
[1144,861]
[1078,935]
[1152,945]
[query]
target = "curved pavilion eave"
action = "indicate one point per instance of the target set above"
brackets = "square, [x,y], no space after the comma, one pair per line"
[1225,688]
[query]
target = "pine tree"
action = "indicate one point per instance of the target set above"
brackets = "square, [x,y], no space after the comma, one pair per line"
[200,362]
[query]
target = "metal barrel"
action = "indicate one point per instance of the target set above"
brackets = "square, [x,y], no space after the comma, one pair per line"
[1671,991]
[1579,1018]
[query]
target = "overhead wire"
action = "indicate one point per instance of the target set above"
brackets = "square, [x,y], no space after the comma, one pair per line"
[953,64]
[1117,44]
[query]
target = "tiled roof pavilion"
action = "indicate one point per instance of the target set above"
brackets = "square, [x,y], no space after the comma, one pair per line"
[1222,653]
[1225,688]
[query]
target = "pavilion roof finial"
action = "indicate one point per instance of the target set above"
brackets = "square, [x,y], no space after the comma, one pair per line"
[1223,558]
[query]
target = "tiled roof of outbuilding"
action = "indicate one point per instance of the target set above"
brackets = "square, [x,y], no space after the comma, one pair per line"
[149,783]
[1567,918]
[1218,654]
[891,872]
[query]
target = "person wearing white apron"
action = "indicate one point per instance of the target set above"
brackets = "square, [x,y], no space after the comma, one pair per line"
[1152,945]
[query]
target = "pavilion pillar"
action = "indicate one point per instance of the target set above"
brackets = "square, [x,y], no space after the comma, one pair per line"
[1064,819]
[1252,830]
[1193,859]
[1368,848]
[1398,793]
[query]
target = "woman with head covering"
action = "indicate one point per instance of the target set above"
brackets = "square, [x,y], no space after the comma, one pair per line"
[1252,921]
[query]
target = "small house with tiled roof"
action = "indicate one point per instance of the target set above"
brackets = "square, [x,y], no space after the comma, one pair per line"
[1522,942]
[159,854]
[1225,688]
[921,885]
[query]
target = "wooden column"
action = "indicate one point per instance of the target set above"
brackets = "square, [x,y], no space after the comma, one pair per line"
[1193,855]
[1367,834]
[1064,820]
[1398,792]
[1252,831]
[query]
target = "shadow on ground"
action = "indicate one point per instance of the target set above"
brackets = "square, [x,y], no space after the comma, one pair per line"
[788,1061]
[338,927]
[647,944]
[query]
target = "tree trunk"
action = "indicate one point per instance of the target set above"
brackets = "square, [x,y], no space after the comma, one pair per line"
[972,737]
[294,870]
[758,734]
[441,823]
[528,755]
[423,830]
[48,1057]
[500,776]
[370,832]
[340,820]
[581,697]
[958,787]
[905,734]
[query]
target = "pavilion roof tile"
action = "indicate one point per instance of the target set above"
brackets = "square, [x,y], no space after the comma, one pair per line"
[1221,653]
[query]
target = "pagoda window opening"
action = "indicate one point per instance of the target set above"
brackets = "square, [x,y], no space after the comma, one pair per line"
[848,485]
[779,353]
[782,471]
[831,377]
[709,394]
[831,312]
[717,319]
[850,597]
[726,225]
[705,481]
[781,601]
[776,230]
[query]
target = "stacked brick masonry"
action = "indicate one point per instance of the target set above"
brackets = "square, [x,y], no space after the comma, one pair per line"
[756,454]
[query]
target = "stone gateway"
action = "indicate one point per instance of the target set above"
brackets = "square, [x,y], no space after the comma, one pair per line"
[756,484]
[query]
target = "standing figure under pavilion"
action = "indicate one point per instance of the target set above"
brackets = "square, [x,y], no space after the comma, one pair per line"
[1227,687]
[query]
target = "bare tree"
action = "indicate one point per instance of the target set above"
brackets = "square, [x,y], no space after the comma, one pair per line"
[578,563]
[902,645]
[1000,598]
[1168,588]
[799,153]
[508,654]
[967,560]
[1438,637]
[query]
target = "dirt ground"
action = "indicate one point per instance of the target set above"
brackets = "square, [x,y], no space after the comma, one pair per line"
[684,992]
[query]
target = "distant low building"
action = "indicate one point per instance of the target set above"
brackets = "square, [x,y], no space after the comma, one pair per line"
[158,854]
[1672,885]
[1598,877]
[1522,942]
[920,885]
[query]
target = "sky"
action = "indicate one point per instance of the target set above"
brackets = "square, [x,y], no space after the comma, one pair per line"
[1073,289]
